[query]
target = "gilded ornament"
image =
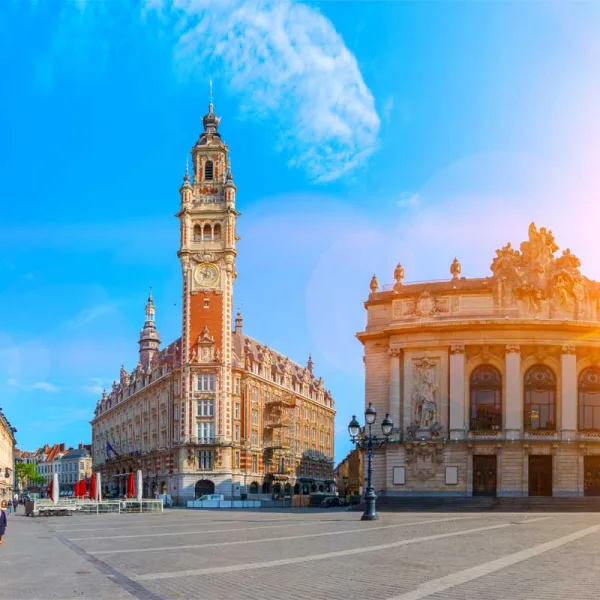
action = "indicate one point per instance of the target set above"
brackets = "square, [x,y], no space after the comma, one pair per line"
[513,349]
[457,349]
[568,349]
[455,268]
[399,274]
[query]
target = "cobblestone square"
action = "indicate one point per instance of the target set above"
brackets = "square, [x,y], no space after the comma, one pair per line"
[302,554]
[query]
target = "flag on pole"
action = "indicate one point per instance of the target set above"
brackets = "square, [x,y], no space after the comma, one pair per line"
[110,449]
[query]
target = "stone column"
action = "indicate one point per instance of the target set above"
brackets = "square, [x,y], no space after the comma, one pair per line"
[394,402]
[568,393]
[513,404]
[457,392]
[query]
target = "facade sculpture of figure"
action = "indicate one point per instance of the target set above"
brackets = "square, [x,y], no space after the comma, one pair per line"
[374,284]
[399,274]
[425,406]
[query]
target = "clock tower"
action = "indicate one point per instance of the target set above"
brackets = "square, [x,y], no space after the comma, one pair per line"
[207,252]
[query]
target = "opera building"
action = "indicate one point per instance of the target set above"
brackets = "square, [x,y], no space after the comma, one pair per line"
[493,383]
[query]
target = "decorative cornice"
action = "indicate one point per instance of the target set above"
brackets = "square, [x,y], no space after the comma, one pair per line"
[457,349]
[513,349]
[569,349]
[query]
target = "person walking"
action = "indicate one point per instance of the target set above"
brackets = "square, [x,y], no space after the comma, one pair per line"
[2,524]
[9,506]
[15,503]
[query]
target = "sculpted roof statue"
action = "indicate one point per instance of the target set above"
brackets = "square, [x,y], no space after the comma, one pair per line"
[534,274]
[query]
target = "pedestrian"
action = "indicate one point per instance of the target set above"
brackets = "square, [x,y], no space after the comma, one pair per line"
[9,506]
[16,503]
[2,524]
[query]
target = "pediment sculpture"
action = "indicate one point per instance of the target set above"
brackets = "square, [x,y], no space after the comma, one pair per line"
[534,276]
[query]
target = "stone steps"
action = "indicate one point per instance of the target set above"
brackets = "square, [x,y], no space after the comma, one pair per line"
[525,504]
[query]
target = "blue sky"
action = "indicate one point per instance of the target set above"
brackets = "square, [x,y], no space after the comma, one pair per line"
[361,134]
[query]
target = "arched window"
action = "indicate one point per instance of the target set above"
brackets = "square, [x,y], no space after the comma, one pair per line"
[197,233]
[217,232]
[254,487]
[209,170]
[485,390]
[589,399]
[540,399]
[207,232]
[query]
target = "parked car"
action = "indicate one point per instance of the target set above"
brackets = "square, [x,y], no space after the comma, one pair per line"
[333,501]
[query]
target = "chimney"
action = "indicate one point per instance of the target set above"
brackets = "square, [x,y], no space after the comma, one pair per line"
[80,445]
[238,323]
[62,447]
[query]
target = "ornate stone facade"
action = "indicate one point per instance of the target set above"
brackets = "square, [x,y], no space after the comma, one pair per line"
[214,411]
[493,383]
[7,459]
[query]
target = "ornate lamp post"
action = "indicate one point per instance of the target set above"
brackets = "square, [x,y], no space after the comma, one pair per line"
[370,442]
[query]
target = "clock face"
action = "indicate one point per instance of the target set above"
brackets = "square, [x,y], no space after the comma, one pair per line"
[206,275]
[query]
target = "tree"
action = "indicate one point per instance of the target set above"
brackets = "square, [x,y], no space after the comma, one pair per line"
[27,475]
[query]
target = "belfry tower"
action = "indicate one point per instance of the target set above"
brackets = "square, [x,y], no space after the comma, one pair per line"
[207,253]
[149,339]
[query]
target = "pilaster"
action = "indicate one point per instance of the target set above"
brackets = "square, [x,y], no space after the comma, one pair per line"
[513,421]
[568,366]
[395,355]
[457,392]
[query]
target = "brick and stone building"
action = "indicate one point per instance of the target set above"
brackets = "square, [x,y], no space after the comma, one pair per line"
[7,459]
[214,410]
[493,383]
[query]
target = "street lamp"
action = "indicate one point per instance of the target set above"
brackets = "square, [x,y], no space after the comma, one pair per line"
[370,442]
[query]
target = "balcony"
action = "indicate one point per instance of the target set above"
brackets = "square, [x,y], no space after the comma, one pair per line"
[277,445]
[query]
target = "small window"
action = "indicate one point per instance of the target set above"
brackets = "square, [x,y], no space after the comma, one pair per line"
[206,233]
[205,302]
[217,232]
[197,233]
[209,169]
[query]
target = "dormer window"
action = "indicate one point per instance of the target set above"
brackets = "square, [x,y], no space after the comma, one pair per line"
[209,170]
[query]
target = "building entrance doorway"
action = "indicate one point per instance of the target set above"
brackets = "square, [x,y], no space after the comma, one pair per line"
[484,475]
[540,475]
[591,476]
[203,487]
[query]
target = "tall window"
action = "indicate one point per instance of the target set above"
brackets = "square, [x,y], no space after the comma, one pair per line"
[540,399]
[236,433]
[255,416]
[206,408]
[217,232]
[254,437]
[205,460]
[237,459]
[236,411]
[206,432]
[589,399]
[486,399]
[209,170]
[206,383]
[254,463]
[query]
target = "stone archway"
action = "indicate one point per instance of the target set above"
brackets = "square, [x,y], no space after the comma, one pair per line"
[203,487]
[254,487]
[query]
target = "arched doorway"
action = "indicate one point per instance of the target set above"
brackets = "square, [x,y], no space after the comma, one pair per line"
[297,489]
[203,487]
[277,489]
[266,487]
[313,488]
[287,489]
[254,488]
[163,487]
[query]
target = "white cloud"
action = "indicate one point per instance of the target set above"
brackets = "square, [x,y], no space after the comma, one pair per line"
[88,315]
[46,386]
[92,389]
[408,199]
[288,65]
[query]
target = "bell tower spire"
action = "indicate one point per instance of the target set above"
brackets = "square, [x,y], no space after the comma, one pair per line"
[149,339]
[207,252]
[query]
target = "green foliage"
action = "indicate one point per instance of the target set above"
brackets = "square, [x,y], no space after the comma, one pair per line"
[27,475]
